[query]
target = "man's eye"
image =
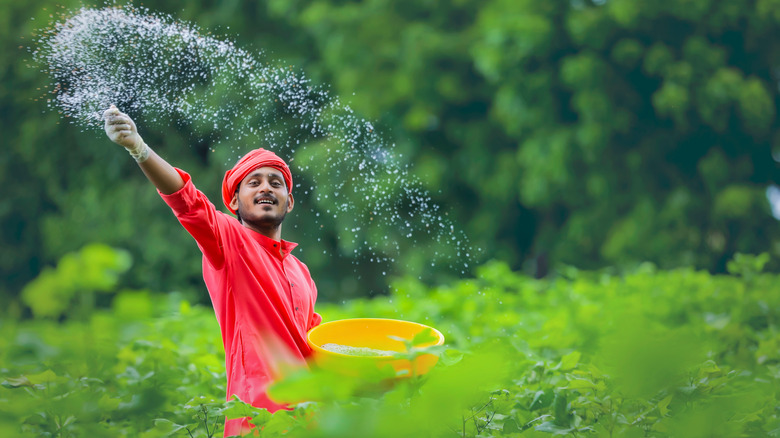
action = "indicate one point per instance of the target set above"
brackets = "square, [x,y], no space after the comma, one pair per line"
[252,183]
[276,184]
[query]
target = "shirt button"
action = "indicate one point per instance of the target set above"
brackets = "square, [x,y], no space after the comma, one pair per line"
[296,308]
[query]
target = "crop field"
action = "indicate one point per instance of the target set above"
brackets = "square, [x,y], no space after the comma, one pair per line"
[649,353]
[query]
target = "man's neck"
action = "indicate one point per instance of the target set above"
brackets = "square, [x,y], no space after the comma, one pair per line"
[274,233]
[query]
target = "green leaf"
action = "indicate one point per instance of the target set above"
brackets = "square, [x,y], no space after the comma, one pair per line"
[561,409]
[167,427]
[236,408]
[47,376]
[281,422]
[663,405]
[542,399]
[510,426]
[553,428]
[17,382]
[580,384]
[108,404]
[451,357]
[427,336]
[570,361]
[261,418]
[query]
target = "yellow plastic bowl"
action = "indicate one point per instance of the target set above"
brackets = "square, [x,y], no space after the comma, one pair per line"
[370,333]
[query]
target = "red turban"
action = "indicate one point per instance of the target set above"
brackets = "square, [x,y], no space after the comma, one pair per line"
[249,162]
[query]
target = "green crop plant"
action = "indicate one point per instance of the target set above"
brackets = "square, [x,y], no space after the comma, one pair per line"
[642,353]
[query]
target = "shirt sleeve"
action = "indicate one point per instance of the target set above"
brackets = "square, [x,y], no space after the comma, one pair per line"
[199,217]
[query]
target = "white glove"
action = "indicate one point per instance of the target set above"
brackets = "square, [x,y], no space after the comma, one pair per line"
[121,129]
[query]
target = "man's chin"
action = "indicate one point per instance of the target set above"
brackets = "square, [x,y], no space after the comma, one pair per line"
[265,221]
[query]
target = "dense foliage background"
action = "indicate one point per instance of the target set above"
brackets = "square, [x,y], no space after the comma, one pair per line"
[577,132]
[612,160]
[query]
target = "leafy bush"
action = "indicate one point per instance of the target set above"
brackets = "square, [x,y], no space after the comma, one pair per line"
[646,353]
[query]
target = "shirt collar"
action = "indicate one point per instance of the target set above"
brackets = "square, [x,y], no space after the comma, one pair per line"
[273,245]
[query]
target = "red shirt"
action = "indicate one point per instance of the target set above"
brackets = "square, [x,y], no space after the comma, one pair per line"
[263,297]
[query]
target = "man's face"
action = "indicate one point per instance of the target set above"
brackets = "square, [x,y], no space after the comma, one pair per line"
[263,200]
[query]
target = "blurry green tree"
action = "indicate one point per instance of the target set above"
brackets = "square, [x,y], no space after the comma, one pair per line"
[598,132]
[574,131]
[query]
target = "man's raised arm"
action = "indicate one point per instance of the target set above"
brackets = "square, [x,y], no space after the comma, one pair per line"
[121,129]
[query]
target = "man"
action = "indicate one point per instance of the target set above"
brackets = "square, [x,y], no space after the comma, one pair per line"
[262,295]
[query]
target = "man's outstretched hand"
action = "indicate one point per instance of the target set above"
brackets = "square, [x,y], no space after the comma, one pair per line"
[121,129]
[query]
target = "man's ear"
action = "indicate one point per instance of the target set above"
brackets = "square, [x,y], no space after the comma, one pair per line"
[290,202]
[234,202]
